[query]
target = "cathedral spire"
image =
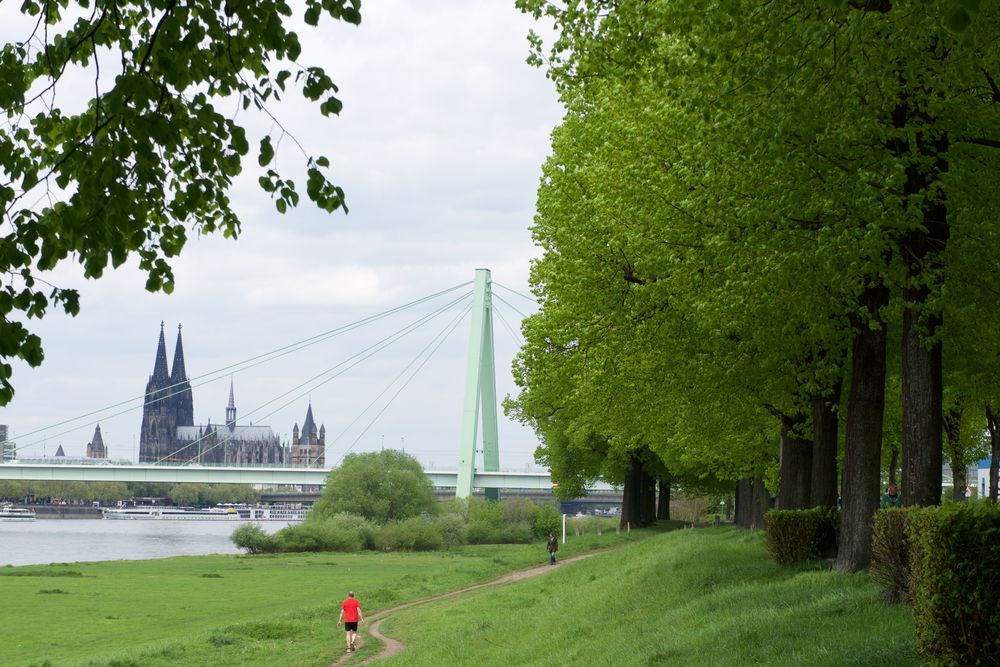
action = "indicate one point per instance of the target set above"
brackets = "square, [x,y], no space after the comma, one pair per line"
[178,372]
[160,371]
[231,408]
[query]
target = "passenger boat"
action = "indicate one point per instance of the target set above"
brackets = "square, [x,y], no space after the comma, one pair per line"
[218,513]
[171,513]
[11,513]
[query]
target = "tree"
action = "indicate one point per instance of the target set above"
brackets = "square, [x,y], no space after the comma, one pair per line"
[147,157]
[381,486]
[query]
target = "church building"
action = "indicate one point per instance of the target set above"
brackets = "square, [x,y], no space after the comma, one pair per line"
[169,433]
[96,448]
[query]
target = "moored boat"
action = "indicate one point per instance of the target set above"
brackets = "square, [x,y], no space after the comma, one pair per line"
[11,513]
[170,513]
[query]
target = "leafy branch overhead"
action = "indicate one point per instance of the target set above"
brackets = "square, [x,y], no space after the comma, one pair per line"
[122,136]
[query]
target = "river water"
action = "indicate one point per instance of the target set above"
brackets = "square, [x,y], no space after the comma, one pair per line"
[67,541]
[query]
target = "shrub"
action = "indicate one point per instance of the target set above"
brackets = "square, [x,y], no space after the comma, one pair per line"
[483,532]
[519,510]
[517,533]
[452,529]
[251,536]
[416,534]
[890,566]
[548,520]
[797,535]
[485,511]
[319,536]
[362,527]
[955,582]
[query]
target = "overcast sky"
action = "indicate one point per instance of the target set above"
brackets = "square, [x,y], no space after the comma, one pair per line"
[439,149]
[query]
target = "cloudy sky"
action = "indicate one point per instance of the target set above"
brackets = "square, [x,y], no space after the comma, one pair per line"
[439,149]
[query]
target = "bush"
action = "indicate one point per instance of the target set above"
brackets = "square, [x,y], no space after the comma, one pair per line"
[416,534]
[517,533]
[362,527]
[890,566]
[519,510]
[319,536]
[452,529]
[548,520]
[798,535]
[251,536]
[484,532]
[485,511]
[955,582]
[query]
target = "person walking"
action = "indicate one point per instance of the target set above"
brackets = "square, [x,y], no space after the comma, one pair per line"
[552,546]
[350,615]
[891,497]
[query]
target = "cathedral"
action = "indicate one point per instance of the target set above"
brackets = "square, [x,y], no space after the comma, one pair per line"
[169,433]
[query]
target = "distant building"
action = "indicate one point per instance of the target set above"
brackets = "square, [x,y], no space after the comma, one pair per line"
[60,453]
[96,448]
[309,449]
[7,447]
[168,431]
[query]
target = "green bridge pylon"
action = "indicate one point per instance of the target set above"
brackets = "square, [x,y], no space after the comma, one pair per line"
[480,389]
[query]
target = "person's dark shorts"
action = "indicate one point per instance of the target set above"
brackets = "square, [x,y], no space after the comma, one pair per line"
[350,626]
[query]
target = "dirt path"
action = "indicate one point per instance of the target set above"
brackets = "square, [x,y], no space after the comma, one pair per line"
[391,647]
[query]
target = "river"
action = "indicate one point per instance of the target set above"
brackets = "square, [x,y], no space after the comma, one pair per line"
[67,541]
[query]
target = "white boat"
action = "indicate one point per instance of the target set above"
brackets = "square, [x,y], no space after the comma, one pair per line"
[171,513]
[11,513]
[219,513]
[269,512]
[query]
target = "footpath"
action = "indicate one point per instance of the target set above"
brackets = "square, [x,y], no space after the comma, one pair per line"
[391,647]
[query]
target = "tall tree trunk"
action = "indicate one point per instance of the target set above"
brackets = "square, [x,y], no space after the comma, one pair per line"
[922,405]
[862,447]
[993,425]
[760,502]
[752,500]
[663,504]
[632,495]
[893,463]
[743,492]
[953,429]
[823,486]
[795,465]
[648,512]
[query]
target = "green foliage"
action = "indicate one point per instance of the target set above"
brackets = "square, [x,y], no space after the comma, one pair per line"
[381,486]
[548,520]
[955,583]
[484,532]
[253,538]
[414,534]
[486,511]
[145,158]
[799,535]
[319,536]
[890,566]
[452,529]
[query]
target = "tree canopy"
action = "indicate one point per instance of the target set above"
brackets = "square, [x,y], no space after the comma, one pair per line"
[384,486]
[749,206]
[125,125]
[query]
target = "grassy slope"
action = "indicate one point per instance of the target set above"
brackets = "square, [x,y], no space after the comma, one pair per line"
[693,597]
[225,610]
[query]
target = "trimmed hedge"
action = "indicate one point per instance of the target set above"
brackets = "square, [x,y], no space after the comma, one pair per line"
[798,535]
[890,566]
[955,582]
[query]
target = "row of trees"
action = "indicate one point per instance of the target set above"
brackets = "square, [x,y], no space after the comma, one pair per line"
[768,251]
[204,495]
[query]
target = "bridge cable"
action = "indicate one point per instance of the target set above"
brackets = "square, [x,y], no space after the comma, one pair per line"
[510,330]
[363,354]
[444,332]
[398,391]
[260,359]
[514,291]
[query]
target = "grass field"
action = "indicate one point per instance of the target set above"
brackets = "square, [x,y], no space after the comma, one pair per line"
[687,597]
[690,597]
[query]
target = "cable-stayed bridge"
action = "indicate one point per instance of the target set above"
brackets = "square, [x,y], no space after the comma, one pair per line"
[479,409]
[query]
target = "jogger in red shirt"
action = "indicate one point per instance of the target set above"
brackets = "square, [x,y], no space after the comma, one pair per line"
[350,614]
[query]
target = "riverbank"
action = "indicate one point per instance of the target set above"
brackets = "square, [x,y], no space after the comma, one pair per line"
[688,597]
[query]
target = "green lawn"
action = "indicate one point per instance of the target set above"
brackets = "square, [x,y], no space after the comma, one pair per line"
[687,597]
[690,597]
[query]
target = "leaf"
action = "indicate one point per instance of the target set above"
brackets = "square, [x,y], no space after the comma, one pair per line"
[266,152]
